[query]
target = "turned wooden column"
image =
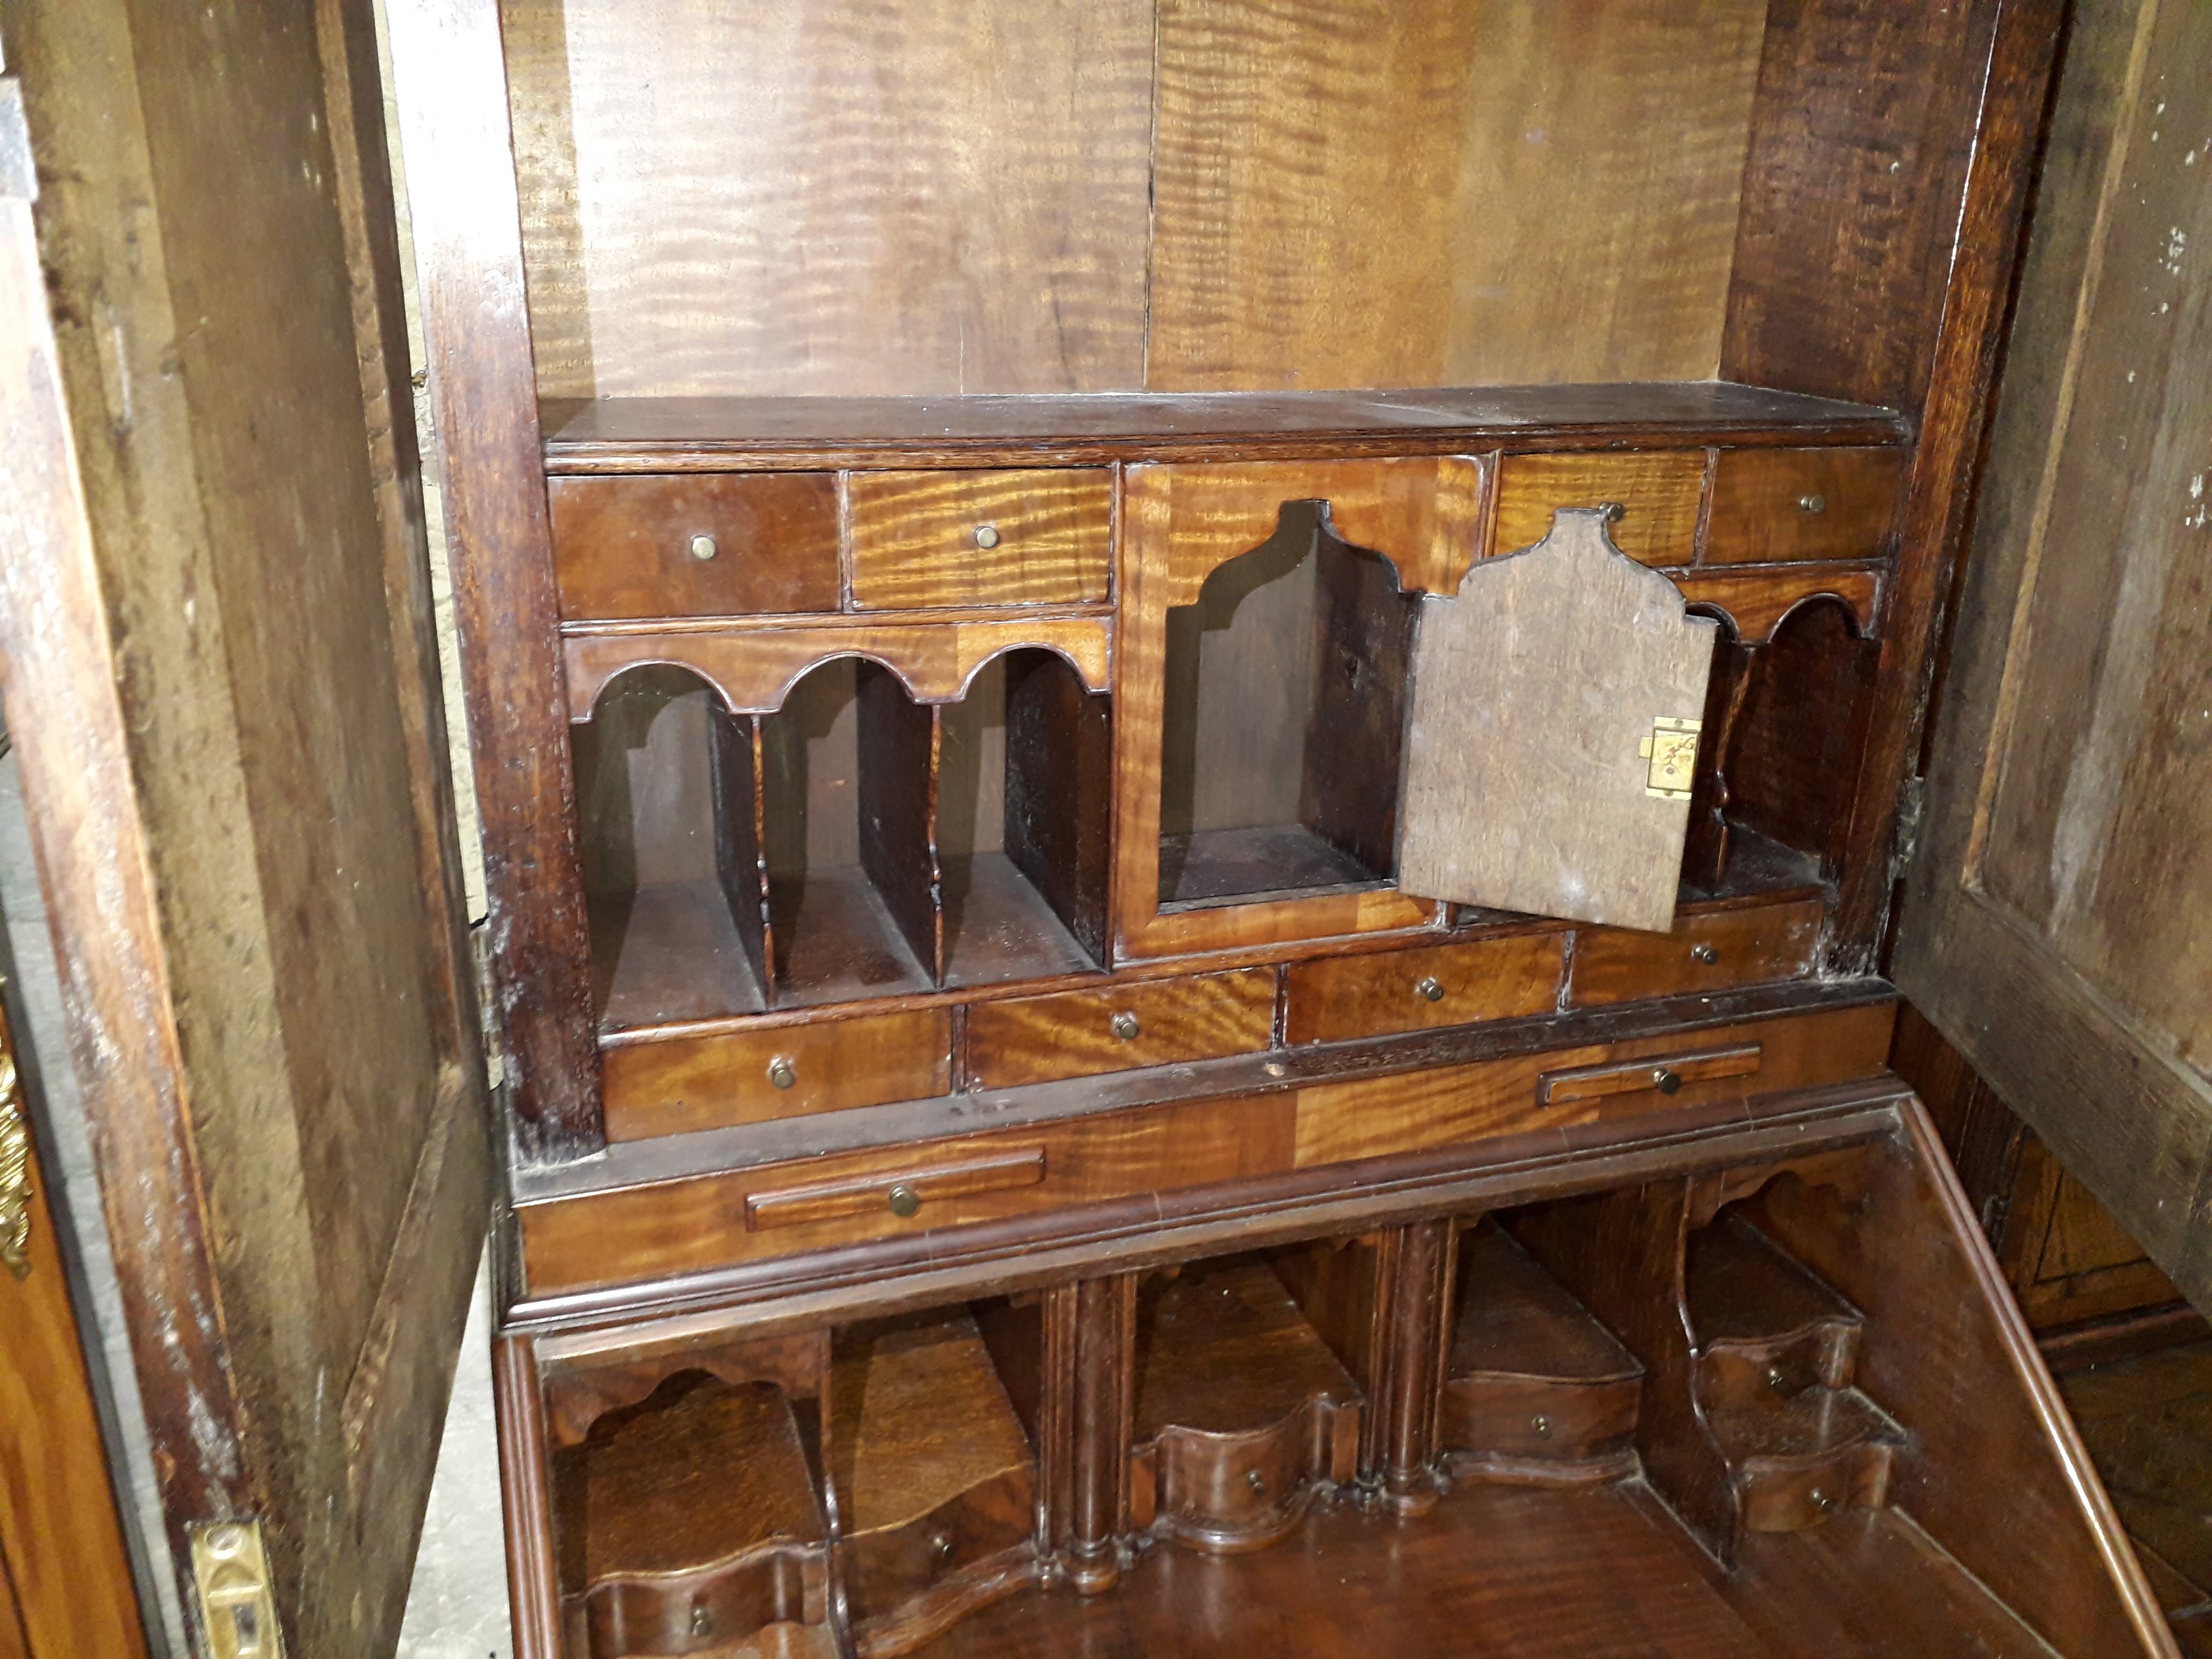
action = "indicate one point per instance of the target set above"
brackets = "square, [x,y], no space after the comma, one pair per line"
[1413,1303]
[1089,1402]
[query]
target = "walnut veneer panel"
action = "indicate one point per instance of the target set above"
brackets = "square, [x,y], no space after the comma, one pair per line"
[671,1085]
[1803,504]
[1337,997]
[1659,493]
[1074,1033]
[1385,193]
[1749,945]
[622,548]
[918,537]
[800,197]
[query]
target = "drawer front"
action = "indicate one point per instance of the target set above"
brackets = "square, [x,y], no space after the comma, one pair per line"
[1707,950]
[1659,493]
[682,1084]
[1341,997]
[923,539]
[1773,504]
[1082,1033]
[713,545]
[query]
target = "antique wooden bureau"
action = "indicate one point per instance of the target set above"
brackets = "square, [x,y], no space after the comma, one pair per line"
[960,515]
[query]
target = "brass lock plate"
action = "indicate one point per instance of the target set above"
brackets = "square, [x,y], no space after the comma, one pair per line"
[1672,749]
[230,1570]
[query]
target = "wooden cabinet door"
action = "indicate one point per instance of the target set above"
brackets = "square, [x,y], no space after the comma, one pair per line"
[2058,924]
[220,677]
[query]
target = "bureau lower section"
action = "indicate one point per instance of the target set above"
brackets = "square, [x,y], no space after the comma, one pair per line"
[1744,1377]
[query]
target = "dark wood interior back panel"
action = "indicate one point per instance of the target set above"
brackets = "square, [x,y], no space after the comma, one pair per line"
[922,539]
[674,1084]
[629,547]
[829,198]
[1803,504]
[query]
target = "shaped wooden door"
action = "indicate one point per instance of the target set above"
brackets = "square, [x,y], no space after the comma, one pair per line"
[1556,719]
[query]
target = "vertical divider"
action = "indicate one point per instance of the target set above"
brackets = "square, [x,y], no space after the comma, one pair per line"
[1059,783]
[736,767]
[900,741]
[1706,848]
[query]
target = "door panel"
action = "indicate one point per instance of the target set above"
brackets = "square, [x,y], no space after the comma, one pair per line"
[2055,926]
[215,627]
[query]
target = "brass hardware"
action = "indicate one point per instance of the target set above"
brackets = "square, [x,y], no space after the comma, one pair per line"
[1775,1378]
[230,1570]
[1672,749]
[781,1071]
[1430,989]
[1821,1501]
[702,1622]
[904,1200]
[1125,1027]
[14,1162]
[940,1546]
[703,547]
[987,536]
[1705,953]
[1257,1481]
[1666,1082]
[1812,503]
[1614,512]
[1542,1425]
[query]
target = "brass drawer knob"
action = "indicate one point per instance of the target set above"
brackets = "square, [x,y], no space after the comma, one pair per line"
[703,547]
[940,1546]
[1665,1081]
[1812,503]
[1258,1482]
[781,1071]
[987,536]
[702,1621]
[904,1200]
[1542,1425]
[1430,989]
[1705,953]
[1125,1027]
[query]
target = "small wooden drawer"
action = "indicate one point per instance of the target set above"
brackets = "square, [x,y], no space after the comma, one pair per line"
[927,539]
[1341,997]
[1082,1033]
[1658,491]
[713,545]
[1665,1074]
[903,1192]
[1707,950]
[681,1083]
[1773,504]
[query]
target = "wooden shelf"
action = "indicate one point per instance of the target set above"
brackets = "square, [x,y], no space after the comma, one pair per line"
[1250,866]
[997,928]
[669,953]
[651,435]
[835,940]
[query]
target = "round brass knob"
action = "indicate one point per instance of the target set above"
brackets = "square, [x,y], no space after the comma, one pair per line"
[1258,1482]
[703,547]
[702,1622]
[1822,1502]
[904,1200]
[1430,989]
[1125,1027]
[1666,1082]
[940,1545]
[1705,953]
[781,1071]
[1777,1377]
[1812,503]
[1542,1425]
[987,536]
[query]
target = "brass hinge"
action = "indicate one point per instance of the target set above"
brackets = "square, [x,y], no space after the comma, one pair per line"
[238,1605]
[1912,812]
[488,1020]
[1672,749]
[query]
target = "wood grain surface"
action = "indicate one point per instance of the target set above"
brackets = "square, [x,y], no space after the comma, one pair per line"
[1758,600]
[1749,944]
[1661,493]
[753,668]
[1073,1034]
[918,1416]
[1336,997]
[682,1083]
[1771,504]
[1372,194]
[818,199]
[1533,687]
[915,541]
[623,547]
